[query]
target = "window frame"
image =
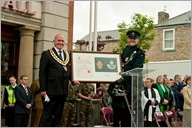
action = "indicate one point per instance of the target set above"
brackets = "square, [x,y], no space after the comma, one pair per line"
[173,38]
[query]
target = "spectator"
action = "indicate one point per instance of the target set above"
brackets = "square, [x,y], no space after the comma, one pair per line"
[187,103]
[9,100]
[24,102]
[37,108]
[99,93]
[168,84]
[106,101]
[172,81]
[179,86]
[106,98]
[184,80]
[165,78]
[177,83]
[164,92]
[150,99]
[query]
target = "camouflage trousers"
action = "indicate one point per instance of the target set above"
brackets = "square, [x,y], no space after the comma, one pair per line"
[86,114]
[69,114]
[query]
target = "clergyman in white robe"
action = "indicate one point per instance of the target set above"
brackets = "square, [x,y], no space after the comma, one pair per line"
[149,95]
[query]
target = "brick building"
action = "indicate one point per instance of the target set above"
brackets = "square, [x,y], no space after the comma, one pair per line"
[173,38]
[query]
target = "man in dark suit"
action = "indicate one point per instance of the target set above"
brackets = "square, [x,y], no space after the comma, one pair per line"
[54,75]
[24,101]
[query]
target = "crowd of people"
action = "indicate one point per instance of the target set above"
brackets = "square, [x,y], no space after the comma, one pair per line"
[174,95]
[158,95]
[53,97]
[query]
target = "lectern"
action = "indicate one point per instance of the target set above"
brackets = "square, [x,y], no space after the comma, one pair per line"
[137,86]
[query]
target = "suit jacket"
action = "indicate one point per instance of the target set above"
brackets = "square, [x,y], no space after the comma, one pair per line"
[22,100]
[176,96]
[179,87]
[52,76]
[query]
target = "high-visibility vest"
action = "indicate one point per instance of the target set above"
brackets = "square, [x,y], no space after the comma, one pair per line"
[11,94]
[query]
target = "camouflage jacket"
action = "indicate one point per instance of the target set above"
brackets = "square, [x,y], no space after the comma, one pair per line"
[72,92]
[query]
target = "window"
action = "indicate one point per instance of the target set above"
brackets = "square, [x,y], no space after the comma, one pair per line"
[168,39]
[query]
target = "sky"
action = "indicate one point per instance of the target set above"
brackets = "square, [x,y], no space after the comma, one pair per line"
[111,13]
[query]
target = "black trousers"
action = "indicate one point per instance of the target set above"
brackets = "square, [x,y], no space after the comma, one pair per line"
[150,124]
[121,117]
[21,120]
[52,111]
[9,116]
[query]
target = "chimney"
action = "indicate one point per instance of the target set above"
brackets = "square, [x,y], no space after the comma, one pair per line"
[162,16]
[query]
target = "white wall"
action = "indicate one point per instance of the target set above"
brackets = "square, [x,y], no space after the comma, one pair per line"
[171,68]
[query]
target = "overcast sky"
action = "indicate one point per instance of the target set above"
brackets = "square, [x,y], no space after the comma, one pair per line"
[111,13]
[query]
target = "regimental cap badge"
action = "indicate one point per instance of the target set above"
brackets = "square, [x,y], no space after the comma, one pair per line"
[111,65]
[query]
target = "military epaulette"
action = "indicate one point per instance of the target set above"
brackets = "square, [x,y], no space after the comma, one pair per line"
[139,49]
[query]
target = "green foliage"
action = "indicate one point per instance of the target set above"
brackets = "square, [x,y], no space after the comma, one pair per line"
[141,23]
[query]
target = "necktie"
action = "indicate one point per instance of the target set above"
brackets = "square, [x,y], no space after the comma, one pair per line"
[26,91]
[60,56]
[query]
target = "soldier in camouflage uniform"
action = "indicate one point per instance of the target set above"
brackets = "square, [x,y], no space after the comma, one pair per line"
[86,92]
[69,110]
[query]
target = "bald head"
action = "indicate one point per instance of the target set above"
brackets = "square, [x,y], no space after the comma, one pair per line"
[56,36]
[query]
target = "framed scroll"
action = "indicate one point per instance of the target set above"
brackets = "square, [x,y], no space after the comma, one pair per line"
[95,67]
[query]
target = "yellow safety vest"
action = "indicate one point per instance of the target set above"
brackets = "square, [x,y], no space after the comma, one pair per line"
[11,94]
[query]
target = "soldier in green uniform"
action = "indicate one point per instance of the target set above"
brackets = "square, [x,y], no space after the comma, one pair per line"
[69,110]
[132,57]
[86,92]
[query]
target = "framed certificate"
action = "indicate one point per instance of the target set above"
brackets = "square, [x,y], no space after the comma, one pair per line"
[95,66]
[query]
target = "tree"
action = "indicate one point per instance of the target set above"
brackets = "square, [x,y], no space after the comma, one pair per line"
[141,23]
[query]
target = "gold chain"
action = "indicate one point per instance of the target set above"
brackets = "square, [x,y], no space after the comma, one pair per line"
[65,62]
